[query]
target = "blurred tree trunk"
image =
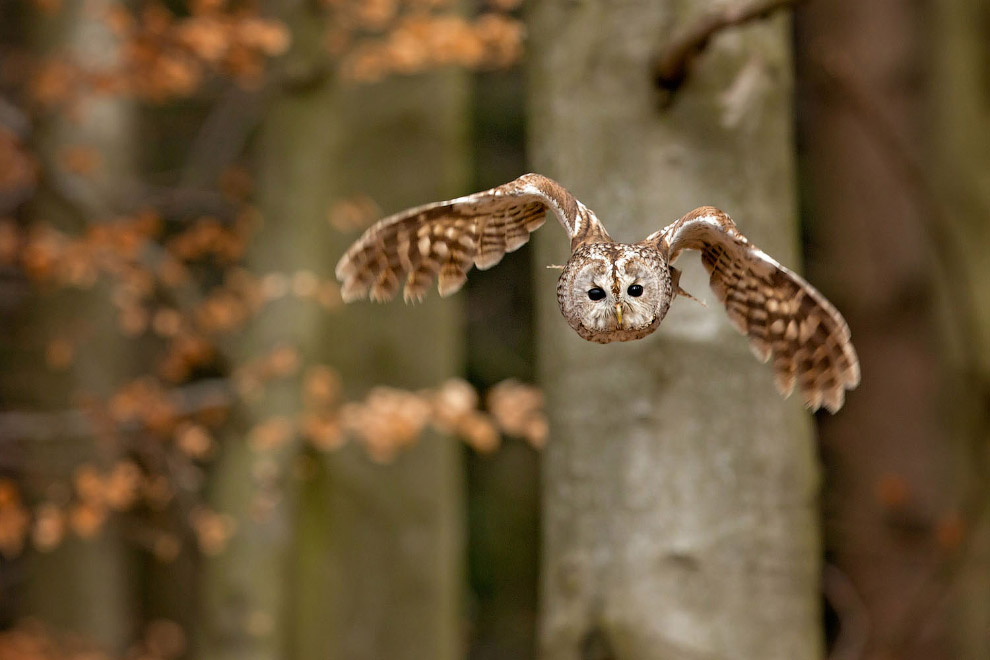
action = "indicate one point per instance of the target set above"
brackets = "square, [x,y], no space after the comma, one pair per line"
[961,173]
[680,490]
[380,562]
[503,487]
[900,456]
[80,572]
[360,560]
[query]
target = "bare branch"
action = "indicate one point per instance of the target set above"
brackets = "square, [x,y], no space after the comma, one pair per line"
[854,618]
[14,119]
[673,64]
[70,424]
[223,136]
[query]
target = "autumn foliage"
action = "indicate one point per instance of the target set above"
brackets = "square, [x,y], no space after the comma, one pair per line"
[178,288]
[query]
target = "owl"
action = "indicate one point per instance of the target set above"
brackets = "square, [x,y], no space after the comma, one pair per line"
[611,291]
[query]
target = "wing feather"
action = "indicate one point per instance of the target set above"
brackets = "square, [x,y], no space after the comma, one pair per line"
[446,239]
[787,320]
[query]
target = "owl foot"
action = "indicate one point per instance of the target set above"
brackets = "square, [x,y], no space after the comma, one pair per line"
[675,280]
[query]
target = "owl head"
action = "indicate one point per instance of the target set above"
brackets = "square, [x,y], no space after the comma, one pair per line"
[614,291]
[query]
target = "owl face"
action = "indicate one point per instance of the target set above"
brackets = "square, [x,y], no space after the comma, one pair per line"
[614,292]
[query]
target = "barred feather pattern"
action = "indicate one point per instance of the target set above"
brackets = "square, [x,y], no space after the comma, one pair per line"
[445,239]
[612,291]
[786,319]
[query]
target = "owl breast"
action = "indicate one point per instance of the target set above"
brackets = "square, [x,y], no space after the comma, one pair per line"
[614,291]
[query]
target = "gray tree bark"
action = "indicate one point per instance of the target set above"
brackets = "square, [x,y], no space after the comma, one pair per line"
[680,490]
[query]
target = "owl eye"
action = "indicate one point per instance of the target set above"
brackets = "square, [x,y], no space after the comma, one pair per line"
[597,293]
[635,290]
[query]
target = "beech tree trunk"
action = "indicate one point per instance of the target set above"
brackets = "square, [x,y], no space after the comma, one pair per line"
[680,490]
[503,497]
[357,560]
[961,176]
[380,564]
[67,581]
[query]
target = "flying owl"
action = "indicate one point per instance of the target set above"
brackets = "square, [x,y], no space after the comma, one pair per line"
[612,291]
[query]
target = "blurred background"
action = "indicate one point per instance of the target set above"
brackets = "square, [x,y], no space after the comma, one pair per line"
[204,454]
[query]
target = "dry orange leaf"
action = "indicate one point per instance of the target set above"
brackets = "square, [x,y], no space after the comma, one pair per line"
[59,354]
[80,159]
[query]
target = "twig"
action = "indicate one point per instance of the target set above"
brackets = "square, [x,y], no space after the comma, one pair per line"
[14,119]
[854,618]
[223,135]
[181,202]
[71,424]
[673,64]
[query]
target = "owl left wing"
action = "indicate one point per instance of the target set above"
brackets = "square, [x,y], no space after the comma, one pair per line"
[446,239]
[785,317]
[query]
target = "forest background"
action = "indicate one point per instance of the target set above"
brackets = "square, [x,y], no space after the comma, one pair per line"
[204,454]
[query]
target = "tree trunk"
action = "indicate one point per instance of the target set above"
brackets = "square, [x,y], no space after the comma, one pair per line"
[360,560]
[899,466]
[961,174]
[503,496]
[385,572]
[68,580]
[680,497]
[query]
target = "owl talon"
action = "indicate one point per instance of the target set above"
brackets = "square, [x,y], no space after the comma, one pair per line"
[675,280]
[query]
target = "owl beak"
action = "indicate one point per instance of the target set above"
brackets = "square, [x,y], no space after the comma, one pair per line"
[618,313]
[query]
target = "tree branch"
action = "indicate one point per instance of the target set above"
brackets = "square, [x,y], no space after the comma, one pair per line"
[14,119]
[68,425]
[673,64]
[854,618]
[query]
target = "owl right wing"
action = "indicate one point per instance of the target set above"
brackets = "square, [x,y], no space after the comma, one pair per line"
[445,239]
[785,317]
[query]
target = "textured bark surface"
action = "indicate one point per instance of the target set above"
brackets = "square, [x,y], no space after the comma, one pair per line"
[680,490]
[360,561]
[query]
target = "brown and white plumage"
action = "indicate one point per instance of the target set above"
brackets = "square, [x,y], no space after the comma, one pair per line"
[785,318]
[445,239]
[612,291]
